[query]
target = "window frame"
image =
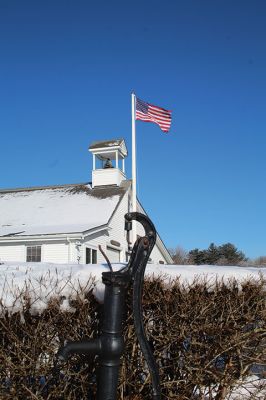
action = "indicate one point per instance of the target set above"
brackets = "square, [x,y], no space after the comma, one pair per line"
[34,253]
[93,255]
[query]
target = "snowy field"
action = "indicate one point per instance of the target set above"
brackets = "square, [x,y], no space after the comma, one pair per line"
[43,281]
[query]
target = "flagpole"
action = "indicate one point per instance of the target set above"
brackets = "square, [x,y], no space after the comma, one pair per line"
[134,168]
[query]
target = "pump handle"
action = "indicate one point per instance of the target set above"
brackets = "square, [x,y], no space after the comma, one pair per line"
[136,268]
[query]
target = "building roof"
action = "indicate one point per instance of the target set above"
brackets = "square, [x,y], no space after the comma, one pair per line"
[107,148]
[106,143]
[61,209]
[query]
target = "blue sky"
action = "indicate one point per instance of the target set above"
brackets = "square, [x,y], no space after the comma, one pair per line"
[67,69]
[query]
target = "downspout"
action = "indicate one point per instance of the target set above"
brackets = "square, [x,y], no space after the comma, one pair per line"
[69,249]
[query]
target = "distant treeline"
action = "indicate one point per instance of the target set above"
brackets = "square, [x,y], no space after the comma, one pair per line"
[225,254]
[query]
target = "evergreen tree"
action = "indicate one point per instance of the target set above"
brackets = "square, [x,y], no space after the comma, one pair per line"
[226,254]
[231,255]
[213,254]
[197,257]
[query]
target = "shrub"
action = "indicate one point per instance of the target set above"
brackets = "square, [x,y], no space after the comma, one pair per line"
[205,336]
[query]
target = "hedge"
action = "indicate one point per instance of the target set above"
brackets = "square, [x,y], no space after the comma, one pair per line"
[206,338]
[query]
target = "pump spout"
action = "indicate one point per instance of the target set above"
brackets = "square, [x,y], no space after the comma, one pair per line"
[148,226]
[91,347]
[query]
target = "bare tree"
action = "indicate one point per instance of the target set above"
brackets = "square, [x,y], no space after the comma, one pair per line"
[179,255]
[260,261]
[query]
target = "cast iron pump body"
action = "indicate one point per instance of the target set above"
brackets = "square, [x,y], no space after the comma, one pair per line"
[109,346]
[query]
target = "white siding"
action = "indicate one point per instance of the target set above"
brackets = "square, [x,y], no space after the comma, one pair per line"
[55,252]
[156,256]
[105,177]
[50,252]
[117,232]
[13,252]
[113,254]
[93,242]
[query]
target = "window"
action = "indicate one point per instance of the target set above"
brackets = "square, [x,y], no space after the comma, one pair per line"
[91,256]
[34,253]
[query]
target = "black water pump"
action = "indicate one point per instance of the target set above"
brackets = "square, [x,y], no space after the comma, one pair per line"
[109,346]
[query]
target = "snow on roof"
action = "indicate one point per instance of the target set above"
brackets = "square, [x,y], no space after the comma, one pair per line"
[106,148]
[106,143]
[56,210]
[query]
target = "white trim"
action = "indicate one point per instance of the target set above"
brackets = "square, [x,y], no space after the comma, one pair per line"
[112,150]
[52,237]
[96,230]
[101,150]
[107,149]
[39,238]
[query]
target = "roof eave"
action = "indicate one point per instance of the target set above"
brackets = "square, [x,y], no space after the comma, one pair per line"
[54,236]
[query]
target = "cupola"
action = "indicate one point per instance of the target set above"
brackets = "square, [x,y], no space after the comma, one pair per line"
[108,162]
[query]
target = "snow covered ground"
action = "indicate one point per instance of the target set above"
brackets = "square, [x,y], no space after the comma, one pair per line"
[43,281]
[252,388]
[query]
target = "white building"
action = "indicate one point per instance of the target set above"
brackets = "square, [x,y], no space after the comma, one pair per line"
[67,223]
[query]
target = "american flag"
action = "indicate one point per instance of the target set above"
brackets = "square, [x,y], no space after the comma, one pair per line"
[150,113]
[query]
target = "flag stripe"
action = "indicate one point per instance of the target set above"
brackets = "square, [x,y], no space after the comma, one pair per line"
[163,126]
[155,113]
[159,111]
[159,117]
[159,108]
[150,118]
[149,113]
